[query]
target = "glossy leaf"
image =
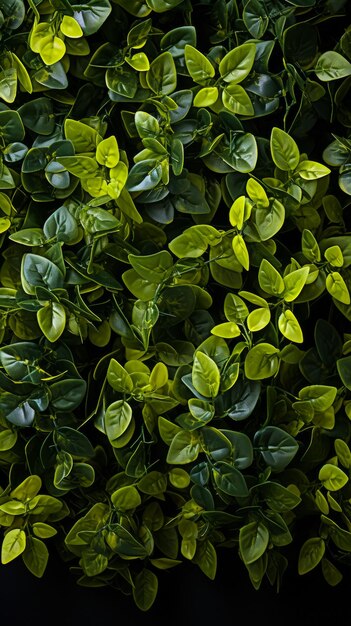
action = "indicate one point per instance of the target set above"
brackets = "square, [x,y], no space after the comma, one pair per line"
[331,66]
[276,446]
[311,554]
[198,66]
[253,541]
[145,589]
[332,477]
[285,152]
[237,64]
[205,375]
[261,361]
[13,544]
[162,75]
[52,320]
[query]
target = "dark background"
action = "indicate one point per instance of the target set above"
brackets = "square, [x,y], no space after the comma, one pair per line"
[185,597]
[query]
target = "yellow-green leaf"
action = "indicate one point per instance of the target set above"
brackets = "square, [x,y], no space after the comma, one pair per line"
[205,97]
[38,33]
[70,27]
[257,193]
[52,49]
[290,327]
[337,287]
[139,62]
[258,319]
[14,543]
[332,477]
[241,252]
[228,330]
[118,179]
[334,256]
[107,152]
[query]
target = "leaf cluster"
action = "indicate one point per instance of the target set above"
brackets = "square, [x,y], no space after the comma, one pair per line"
[175,360]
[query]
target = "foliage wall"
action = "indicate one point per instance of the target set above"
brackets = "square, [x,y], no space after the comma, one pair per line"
[175,287]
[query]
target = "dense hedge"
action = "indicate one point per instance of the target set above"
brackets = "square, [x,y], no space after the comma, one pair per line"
[175,302]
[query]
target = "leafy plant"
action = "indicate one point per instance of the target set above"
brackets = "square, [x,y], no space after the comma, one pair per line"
[175,364]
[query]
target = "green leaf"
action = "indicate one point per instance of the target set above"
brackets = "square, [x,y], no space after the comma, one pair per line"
[255,18]
[206,96]
[43,531]
[8,84]
[81,166]
[331,573]
[206,558]
[194,241]
[276,446]
[257,193]
[228,330]
[334,256]
[11,126]
[185,448]
[144,175]
[52,320]
[118,378]
[294,282]
[107,152]
[8,439]
[23,415]
[36,556]
[146,125]
[253,541]
[198,66]
[237,100]
[241,252]
[321,397]
[284,150]
[38,115]
[310,247]
[62,225]
[51,49]
[29,237]
[243,153]
[311,554]
[269,279]
[343,452]
[37,271]
[162,75]
[152,267]
[277,497]
[331,66]
[311,170]
[67,394]
[332,477]
[83,137]
[91,15]
[237,64]
[262,361]
[14,543]
[74,442]
[344,370]
[235,308]
[290,327]
[230,480]
[70,27]
[118,417]
[205,375]
[337,287]
[145,588]
[153,483]
[258,319]
[126,498]
[27,489]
